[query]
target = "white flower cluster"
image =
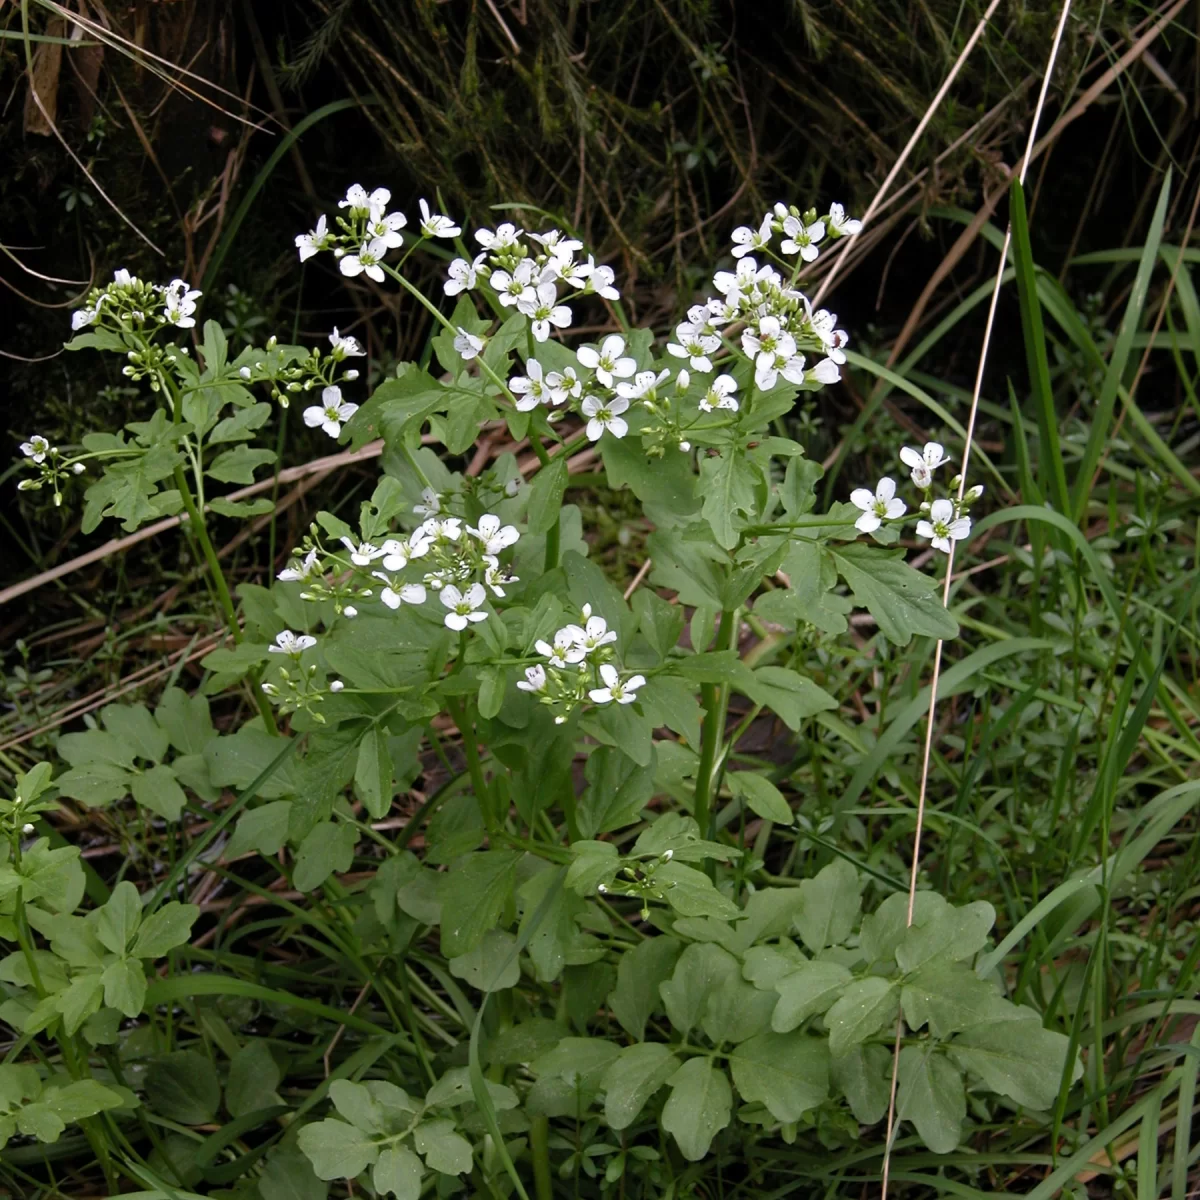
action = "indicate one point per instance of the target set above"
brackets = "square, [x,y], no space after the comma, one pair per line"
[52,468]
[368,232]
[802,232]
[946,520]
[460,562]
[129,303]
[527,274]
[333,412]
[576,668]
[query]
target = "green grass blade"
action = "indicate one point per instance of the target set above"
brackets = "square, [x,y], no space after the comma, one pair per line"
[1106,401]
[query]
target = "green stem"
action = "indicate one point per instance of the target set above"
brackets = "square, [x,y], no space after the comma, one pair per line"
[466,726]
[715,698]
[539,1150]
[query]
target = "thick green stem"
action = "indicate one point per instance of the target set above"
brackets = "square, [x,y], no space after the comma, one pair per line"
[539,1151]
[715,698]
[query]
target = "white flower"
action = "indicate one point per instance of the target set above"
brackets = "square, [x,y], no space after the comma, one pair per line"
[344,347]
[398,553]
[515,287]
[793,369]
[833,339]
[496,576]
[36,448]
[826,371]
[557,243]
[494,536]
[180,304]
[607,362]
[436,225]
[614,689]
[122,278]
[331,412]
[463,275]
[884,505]
[299,571]
[464,607]
[431,503]
[367,260]
[695,346]
[83,317]
[644,382]
[543,311]
[336,685]
[468,345]
[720,394]
[442,529]
[924,462]
[802,239]
[841,225]
[943,528]
[731,284]
[594,634]
[565,650]
[387,229]
[602,282]
[293,644]
[605,414]
[394,594]
[505,236]
[746,239]
[315,241]
[768,341]
[562,384]
[360,204]
[364,553]
[534,681]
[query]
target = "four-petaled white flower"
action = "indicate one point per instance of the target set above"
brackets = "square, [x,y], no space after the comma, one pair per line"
[82,317]
[833,339]
[943,528]
[36,448]
[565,651]
[502,238]
[180,303]
[601,281]
[841,225]
[344,347]
[644,383]
[562,384]
[497,577]
[299,571]
[360,203]
[494,536]
[431,503]
[802,239]
[608,361]
[534,681]
[516,286]
[394,594]
[883,505]
[531,389]
[543,310]
[594,634]
[293,644]
[436,225]
[746,240]
[399,552]
[442,529]
[331,412]
[605,414]
[923,463]
[720,394]
[468,345]
[362,554]
[465,607]
[387,228]
[826,371]
[614,689]
[366,261]
[695,345]
[463,275]
[315,241]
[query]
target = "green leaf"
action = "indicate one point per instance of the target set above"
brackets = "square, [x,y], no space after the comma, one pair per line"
[162,931]
[182,1086]
[789,1073]
[80,1000]
[727,487]
[337,1150]
[96,746]
[491,966]
[327,848]
[717,666]
[158,790]
[398,1172]
[118,920]
[546,495]
[661,623]
[930,1094]
[691,893]
[862,1075]
[865,1007]
[702,968]
[552,936]
[242,424]
[884,929]
[761,796]
[253,1077]
[373,774]
[903,601]
[618,789]
[133,725]
[80,1099]
[736,1010]
[443,1148]
[125,986]
[288,1175]
[798,492]
[699,1107]
[831,904]
[54,878]
[640,971]
[951,934]
[667,700]
[805,992]
[594,863]
[185,719]
[239,464]
[241,509]
[947,995]
[1020,1060]
[264,829]
[128,490]
[96,784]
[791,696]
[473,896]
[632,1078]
[664,484]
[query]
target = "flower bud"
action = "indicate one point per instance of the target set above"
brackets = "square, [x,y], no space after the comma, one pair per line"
[78,468]
[351,375]
[27,828]
[245,372]
[973,494]
[272,342]
[336,685]
[350,612]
